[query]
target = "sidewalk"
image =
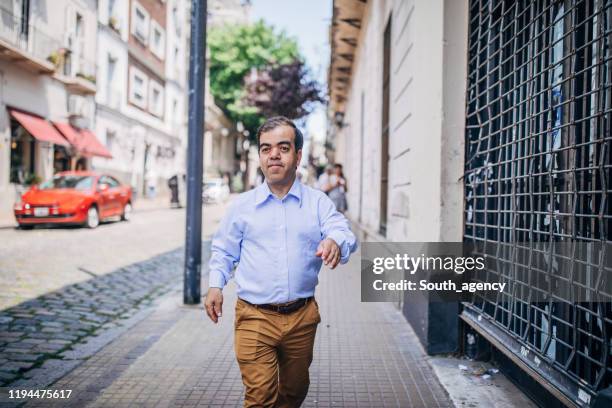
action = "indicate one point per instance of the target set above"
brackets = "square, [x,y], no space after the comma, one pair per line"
[366,355]
[148,204]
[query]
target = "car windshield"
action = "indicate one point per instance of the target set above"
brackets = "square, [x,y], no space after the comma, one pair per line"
[76,182]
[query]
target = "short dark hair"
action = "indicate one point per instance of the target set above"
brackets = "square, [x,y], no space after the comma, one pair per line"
[277,121]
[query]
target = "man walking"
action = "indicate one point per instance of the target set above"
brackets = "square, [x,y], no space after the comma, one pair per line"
[278,234]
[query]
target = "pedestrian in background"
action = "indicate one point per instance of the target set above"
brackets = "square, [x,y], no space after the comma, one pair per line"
[337,189]
[278,234]
[323,182]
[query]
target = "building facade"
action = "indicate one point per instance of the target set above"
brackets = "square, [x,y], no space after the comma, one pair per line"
[488,121]
[47,85]
[103,85]
[141,103]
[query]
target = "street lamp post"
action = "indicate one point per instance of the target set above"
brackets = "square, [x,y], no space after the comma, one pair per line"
[195,165]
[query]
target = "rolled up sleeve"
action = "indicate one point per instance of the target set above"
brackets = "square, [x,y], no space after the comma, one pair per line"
[225,249]
[336,226]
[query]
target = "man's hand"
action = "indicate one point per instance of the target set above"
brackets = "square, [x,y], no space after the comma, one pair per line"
[329,252]
[214,304]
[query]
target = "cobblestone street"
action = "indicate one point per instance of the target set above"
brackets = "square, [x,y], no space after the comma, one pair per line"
[42,260]
[44,336]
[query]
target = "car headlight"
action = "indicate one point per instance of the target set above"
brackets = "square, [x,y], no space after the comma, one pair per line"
[27,206]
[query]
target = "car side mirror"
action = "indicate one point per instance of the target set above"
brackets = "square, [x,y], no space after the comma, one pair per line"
[102,188]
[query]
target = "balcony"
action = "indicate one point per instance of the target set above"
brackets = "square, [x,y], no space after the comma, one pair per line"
[24,45]
[77,73]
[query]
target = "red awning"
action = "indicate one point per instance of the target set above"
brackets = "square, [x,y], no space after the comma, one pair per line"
[38,127]
[84,141]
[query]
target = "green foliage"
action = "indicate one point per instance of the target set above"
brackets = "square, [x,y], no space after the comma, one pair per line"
[31,179]
[234,51]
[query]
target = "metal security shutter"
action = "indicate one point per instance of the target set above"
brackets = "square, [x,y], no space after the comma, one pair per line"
[539,170]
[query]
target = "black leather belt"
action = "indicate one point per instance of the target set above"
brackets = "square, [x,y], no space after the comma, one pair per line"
[284,308]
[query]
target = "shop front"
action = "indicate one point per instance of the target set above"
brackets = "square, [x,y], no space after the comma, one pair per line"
[37,148]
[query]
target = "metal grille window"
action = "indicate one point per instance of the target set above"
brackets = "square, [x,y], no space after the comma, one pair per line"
[539,170]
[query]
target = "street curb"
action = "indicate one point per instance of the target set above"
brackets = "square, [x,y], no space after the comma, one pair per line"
[55,369]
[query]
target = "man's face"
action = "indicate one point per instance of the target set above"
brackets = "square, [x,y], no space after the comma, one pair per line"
[278,158]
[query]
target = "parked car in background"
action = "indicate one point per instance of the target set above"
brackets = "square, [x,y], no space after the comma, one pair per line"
[74,197]
[215,191]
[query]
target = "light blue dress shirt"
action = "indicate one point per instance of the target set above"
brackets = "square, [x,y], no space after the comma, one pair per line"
[274,241]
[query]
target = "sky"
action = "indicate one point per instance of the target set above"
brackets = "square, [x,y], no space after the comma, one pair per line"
[308,22]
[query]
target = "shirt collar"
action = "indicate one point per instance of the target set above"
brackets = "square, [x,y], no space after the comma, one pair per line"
[262,192]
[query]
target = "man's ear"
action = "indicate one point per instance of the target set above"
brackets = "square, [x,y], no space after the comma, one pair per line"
[299,158]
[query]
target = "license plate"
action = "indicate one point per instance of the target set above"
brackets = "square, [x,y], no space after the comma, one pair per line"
[41,212]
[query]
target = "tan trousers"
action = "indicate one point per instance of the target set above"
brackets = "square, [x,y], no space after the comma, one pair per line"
[274,352]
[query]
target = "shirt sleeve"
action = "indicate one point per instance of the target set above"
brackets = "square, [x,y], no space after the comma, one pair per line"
[335,226]
[225,249]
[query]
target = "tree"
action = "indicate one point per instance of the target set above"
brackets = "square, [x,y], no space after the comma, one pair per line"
[236,50]
[283,89]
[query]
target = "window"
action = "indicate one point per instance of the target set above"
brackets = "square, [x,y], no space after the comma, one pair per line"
[68,182]
[111,8]
[140,23]
[110,78]
[114,182]
[537,175]
[384,159]
[138,87]
[113,21]
[79,30]
[156,101]
[111,138]
[175,19]
[175,111]
[157,42]
[25,18]
[110,181]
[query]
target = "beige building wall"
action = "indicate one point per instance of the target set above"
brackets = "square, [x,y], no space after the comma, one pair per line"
[45,94]
[426,124]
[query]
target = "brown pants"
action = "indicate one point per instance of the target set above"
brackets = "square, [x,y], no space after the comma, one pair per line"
[274,352]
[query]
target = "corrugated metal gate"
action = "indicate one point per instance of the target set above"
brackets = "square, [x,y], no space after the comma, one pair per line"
[539,170]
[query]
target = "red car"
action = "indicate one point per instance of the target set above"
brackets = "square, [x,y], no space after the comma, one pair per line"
[74,197]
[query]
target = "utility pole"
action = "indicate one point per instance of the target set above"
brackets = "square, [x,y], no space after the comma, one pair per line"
[197,73]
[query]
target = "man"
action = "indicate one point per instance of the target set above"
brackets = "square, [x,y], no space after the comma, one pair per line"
[279,234]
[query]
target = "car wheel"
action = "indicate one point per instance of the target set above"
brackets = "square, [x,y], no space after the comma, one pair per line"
[93,218]
[127,212]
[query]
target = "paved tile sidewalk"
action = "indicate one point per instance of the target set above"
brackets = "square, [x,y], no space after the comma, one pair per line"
[366,355]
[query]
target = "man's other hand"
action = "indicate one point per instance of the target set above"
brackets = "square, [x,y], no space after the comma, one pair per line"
[214,303]
[329,252]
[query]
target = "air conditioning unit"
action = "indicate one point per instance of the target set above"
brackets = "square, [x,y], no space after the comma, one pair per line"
[76,106]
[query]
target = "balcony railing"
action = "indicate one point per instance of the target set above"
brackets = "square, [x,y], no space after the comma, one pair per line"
[76,66]
[78,73]
[26,41]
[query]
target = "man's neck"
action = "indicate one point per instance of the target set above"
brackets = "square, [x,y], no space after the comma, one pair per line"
[280,190]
